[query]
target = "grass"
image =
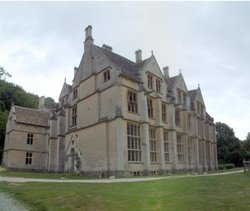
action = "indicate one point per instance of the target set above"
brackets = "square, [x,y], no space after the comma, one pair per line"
[30,174]
[227,192]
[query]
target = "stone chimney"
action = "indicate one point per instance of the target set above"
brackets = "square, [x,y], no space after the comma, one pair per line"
[138,56]
[107,47]
[41,102]
[166,72]
[88,37]
[75,71]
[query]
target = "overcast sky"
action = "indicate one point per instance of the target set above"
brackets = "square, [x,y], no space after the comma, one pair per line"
[42,42]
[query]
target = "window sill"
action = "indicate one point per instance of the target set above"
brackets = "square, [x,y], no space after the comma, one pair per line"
[135,162]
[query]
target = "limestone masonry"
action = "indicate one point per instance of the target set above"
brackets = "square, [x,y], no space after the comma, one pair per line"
[117,118]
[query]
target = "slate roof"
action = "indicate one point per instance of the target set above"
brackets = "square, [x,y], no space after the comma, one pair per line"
[209,118]
[65,90]
[128,68]
[31,116]
[171,82]
[193,94]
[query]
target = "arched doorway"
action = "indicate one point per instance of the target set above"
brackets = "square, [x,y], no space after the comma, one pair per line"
[72,157]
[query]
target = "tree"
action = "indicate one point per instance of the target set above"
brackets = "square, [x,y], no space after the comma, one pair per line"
[246,146]
[49,102]
[4,74]
[229,147]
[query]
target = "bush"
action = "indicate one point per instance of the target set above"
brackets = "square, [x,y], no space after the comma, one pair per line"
[226,166]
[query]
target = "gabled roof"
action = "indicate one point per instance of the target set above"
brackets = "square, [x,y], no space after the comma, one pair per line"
[192,94]
[31,116]
[171,82]
[65,90]
[128,68]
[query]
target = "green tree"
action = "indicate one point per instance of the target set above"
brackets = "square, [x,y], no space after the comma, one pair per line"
[246,146]
[49,102]
[229,147]
[4,73]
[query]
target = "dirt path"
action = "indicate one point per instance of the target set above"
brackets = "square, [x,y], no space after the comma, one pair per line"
[118,180]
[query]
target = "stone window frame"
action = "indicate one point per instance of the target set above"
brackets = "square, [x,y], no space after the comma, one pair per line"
[150,81]
[150,107]
[180,148]
[158,85]
[134,142]
[163,111]
[152,145]
[106,75]
[178,118]
[30,138]
[75,93]
[74,116]
[28,158]
[132,101]
[166,146]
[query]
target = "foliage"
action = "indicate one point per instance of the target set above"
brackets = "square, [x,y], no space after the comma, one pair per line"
[4,73]
[12,93]
[229,148]
[49,102]
[193,193]
[226,166]
[246,146]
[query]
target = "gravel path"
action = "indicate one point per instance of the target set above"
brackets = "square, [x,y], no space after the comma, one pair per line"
[9,204]
[118,180]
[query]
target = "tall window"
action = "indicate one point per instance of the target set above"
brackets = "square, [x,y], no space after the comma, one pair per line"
[74,116]
[179,97]
[28,159]
[158,85]
[190,150]
[153,146]
[106,75]
[166,146]
[180,148]
[178,118]
[150,108]
[75,94]
[164,111]
[150,81]
[30,138]
[189,122]
[134,142]
[132,102]
[184,99]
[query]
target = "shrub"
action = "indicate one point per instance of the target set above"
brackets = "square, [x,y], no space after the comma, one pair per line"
[226,166]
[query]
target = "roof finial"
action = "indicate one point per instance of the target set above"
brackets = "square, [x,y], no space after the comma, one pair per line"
[198,85]
[180,71]
[152,52]
[65,80]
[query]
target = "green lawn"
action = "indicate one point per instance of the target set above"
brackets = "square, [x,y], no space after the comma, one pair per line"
[30,174]
[227,192]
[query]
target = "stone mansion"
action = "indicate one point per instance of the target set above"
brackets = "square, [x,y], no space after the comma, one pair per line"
[118,117]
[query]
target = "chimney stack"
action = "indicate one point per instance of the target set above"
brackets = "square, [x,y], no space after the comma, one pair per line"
[138,56]
[107,47]
[166,72]
[88,38]
[75,71]
[41,102]
[88,32]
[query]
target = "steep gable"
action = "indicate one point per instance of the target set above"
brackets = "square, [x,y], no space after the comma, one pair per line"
[65,90]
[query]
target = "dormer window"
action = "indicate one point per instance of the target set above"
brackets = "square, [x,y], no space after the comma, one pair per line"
[150,81]
[75,94]
[158,85]
[106,75]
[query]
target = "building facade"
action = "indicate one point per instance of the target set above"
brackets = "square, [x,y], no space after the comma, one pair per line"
[123,118]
